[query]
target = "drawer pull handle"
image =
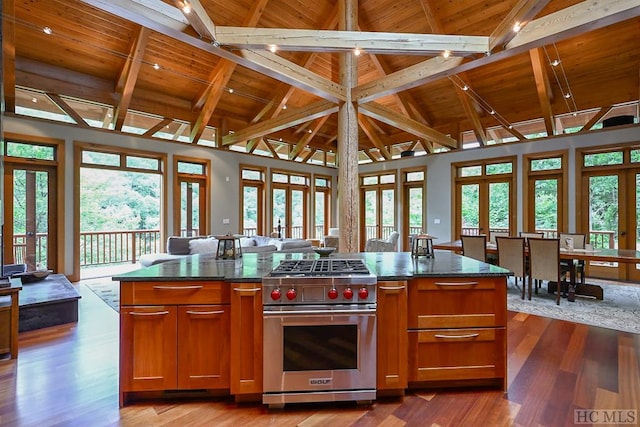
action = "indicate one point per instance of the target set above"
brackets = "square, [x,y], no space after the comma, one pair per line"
[457,336]
[155,313]
[392,288]
[177,288]
[456,283]
[204,312]
[246,290]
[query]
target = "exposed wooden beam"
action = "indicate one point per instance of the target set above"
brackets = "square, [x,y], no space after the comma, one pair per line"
[304,141]
[262,62]
[520,14]
[543,88]
[8,38]
[198,18]
[340,41]
[293,117]
[224,71]
[56,99]
[129,75]
[274,153]
[407,124]
[595,119]
[368,129]
[586,16]
[160,125]
[582,17]
[471,113]
[309,155]
[251,19]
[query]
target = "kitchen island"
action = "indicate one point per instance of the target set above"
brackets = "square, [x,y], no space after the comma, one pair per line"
[194,326]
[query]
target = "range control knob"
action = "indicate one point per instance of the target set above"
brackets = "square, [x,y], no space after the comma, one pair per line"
[347,293]
[276,294]
[291,294]
[333,293]
[363,293]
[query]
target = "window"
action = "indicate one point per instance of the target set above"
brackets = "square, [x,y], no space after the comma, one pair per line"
[322,206]
[378,206]
[252,182]
[544,193]
[484,196]
[290,203]
[414,202]
[190,196]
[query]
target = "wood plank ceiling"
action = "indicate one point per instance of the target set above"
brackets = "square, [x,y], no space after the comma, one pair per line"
[213,67]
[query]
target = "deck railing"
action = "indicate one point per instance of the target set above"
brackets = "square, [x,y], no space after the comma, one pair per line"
[598,238]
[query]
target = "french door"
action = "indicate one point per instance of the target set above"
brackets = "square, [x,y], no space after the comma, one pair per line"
[611,212]
[484,206]
[289,211]
[31,237]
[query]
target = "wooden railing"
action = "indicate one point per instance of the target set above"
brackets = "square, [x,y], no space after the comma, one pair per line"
[112,247]
[372,231]
[598,238]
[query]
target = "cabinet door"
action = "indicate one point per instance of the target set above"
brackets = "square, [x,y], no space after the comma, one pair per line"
[148,354]
[203,347]
[392,336]
[246,338]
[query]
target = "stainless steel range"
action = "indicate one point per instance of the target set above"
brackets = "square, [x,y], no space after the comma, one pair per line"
[319,332]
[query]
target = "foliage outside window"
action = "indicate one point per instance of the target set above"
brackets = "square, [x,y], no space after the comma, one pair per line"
[251,203]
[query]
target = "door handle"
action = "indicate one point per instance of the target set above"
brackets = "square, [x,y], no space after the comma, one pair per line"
[623,233]
[30,234]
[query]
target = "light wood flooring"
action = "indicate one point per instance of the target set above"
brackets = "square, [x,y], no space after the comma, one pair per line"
[67,376]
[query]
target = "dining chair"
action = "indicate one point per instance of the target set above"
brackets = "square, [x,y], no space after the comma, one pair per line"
[511,256]
[544,264]
[494,234]
[475,247]
[578,241]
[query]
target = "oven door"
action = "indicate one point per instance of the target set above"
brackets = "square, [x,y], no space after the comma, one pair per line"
[319,349]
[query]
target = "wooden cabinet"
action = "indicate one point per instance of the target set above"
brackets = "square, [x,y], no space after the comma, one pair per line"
[392,347]
[246,341]
[457,330]
[174,336]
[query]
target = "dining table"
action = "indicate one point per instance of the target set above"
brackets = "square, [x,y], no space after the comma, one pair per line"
[629,256]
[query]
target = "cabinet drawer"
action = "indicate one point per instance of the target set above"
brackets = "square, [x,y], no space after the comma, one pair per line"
[187,292]
[457,354]
[457,303]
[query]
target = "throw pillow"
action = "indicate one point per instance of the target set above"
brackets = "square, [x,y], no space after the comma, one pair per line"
[203,246]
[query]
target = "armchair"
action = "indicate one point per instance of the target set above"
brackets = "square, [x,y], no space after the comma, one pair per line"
[390,244]
[331,240]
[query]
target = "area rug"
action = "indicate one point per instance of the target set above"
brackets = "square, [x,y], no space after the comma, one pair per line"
[106,289]
[620,309]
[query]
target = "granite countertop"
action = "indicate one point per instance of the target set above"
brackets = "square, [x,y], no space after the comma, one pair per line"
[253,266]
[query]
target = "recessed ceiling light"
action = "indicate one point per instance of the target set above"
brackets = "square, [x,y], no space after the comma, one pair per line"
[357,51]
[230,90]
[310,131]
[446,53]
[34,99]
[186,7]
[156,66]
[47,30]
[273,48]
[284,107]
[517,27]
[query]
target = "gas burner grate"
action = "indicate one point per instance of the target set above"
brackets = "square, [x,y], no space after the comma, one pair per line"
[320,267]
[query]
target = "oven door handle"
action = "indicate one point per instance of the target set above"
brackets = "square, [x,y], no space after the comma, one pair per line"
[279,313]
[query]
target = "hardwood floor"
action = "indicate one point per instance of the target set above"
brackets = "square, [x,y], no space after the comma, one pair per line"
[67,376]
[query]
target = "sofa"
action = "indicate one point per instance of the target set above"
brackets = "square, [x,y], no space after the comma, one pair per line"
[181,247]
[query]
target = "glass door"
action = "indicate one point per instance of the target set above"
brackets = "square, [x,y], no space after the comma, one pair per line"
[31,238]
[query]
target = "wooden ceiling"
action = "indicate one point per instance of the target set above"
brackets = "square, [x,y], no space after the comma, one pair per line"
[213,66]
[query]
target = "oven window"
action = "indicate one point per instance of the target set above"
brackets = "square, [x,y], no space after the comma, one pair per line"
[322,348]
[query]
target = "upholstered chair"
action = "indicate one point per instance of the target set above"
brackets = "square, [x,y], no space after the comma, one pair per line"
[544,264]
[390,244]
[578,241]
[332,240]
[475,247]
[511,256]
